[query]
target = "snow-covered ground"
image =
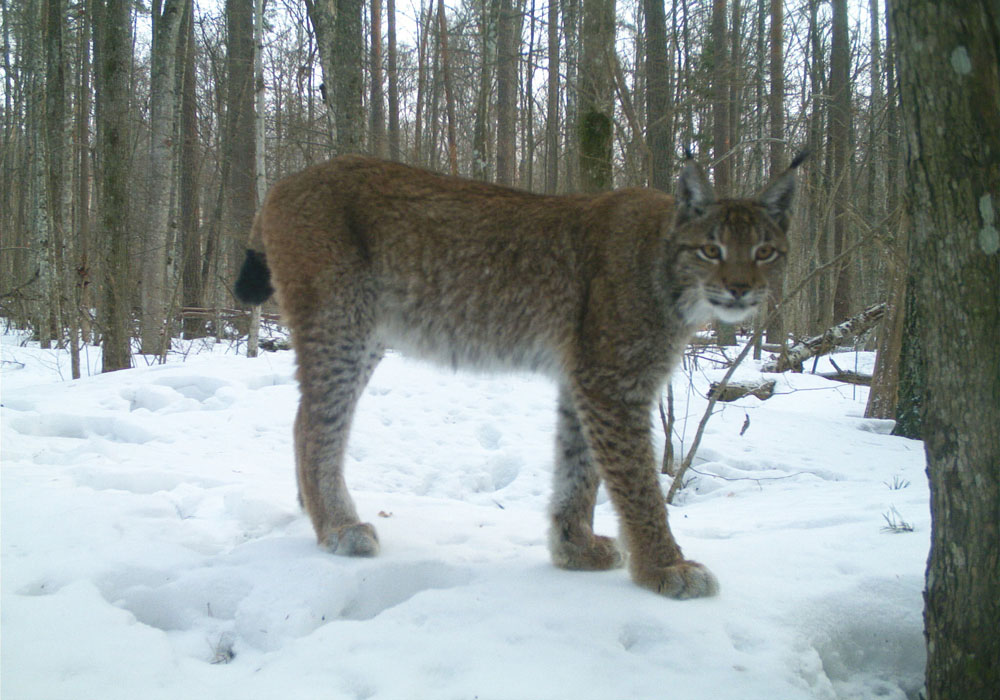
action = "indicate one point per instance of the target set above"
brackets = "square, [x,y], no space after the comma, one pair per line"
[152,545]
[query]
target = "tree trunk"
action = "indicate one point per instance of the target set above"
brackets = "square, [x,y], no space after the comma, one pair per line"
[240,135]
[776,107]
[659,116]
[56,147]
[949,78]
[840,146]
[424,30]
[113,56]
[393,78]
[552,103]
[884,395]
[376,106]
[340,40]
[720,77]
[827,341]
[720,100]
[449,98]
[81,225]
[571,32]
[189,200]
[596,127]
[162,99]
[507,46]
[528,103]
[488,52]
[260,166]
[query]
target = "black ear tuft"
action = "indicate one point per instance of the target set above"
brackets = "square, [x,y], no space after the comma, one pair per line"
[253,286]
[800,158]
[777,198]
[694,193]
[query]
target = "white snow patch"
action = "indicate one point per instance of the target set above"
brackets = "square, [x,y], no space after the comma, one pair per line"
[153,546]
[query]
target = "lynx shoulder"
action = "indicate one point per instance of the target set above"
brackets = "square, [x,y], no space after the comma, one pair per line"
[600,292]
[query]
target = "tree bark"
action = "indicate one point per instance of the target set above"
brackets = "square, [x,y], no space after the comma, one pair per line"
[376,106]
[720,100]
[166,17]
[240,135]
[721,136]
[488,53]
[571,33]
[260,165]
[189,200]
[552,103]
[776,107]
[507,45]
[949,78]
[56,146]
[449,98]
[113,56]
[392,76]
[596,127]
[840,146]
[659,115]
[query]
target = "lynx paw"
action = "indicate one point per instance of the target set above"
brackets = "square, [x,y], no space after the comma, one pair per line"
[358,540]
[685,579]
[598,553]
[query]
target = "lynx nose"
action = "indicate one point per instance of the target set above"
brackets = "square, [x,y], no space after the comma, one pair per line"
[739,290]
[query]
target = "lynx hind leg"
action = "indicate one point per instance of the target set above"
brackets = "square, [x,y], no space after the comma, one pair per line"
[334,367]
[572,541]
[618,435]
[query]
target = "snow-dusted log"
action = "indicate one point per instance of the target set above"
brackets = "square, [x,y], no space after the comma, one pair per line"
[737,390]
[827,341]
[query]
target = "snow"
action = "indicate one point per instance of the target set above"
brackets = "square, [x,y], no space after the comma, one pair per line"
[152,544]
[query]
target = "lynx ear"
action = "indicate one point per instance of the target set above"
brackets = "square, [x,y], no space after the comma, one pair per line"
[777,198]
[694,193]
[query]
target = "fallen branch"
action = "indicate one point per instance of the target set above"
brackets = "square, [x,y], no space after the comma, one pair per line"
[827,341]
[737,390]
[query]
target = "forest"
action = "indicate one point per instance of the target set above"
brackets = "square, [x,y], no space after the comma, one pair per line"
[138,140]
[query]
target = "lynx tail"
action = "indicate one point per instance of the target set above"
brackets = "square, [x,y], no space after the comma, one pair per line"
[253,286]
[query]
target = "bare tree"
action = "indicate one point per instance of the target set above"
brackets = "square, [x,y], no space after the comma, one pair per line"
[162,128]
[113,56]
[720,100]
[448,92]
[596,128]
[393,77]
[188,200]
[376,102]
[949,73]
[840,148]
[552,103]
[240,133]
[508,42]
[659,116]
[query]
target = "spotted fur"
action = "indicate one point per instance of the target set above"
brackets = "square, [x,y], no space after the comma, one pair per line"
[600,292]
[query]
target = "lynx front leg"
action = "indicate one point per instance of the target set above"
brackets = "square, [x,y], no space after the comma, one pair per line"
[571,535]
[333,371]
[618,435]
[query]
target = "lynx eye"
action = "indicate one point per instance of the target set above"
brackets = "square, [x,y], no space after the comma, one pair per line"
[765,253]
[710,252]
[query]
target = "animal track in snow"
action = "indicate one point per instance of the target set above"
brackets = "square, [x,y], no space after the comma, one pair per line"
[67,425]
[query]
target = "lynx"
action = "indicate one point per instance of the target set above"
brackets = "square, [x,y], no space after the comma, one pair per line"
[600,292]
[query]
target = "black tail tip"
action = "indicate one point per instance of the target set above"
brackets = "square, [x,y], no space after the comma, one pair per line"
[253,286]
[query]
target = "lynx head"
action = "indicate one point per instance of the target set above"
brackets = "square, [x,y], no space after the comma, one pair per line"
[730,249]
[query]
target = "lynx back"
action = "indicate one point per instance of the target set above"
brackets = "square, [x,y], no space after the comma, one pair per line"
[600,292]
